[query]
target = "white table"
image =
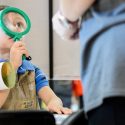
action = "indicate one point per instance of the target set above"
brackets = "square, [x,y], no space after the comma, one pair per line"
[60,118]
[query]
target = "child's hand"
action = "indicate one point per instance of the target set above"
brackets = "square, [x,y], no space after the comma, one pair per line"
[53,103]
[16,52]
[56,106]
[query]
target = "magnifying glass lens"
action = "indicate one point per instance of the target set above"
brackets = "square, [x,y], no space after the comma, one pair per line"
[15,22]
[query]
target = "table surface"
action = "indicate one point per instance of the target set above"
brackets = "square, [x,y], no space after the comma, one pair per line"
[60,118]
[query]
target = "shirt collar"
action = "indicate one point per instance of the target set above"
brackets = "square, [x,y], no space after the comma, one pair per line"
[3,60]
[26,66]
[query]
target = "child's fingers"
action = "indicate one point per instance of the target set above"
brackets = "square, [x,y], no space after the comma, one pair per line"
[55,109]
[18,44]
[22,48]
[58,111]
[65,110]
[25,52]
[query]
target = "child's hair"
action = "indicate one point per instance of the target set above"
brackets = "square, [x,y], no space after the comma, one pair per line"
[3,7]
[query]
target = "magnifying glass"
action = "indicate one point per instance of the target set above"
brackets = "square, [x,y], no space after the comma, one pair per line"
[15,23]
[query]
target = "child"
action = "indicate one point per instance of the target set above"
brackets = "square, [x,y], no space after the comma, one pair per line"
[30,79]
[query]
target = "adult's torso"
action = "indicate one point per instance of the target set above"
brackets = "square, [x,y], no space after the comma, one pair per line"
[102,49]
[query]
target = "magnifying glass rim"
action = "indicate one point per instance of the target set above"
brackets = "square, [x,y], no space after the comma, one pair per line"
[23,14]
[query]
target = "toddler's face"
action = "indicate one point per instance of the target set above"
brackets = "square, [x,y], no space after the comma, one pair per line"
[5,42]
[14,22]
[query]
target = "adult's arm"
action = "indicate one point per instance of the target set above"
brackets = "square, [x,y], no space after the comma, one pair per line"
[73,9]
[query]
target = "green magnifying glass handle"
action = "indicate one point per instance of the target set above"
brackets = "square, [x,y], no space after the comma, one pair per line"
[23,57]
[27,58]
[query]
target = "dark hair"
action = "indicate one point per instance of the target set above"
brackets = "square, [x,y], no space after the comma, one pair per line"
[3,7]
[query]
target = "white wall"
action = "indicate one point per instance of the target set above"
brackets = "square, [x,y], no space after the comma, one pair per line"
[66,56]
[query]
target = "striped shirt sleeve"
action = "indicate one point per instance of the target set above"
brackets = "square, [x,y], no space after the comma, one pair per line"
[40,79]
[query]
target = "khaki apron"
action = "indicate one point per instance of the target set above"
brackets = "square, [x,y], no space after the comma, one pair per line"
[23,95]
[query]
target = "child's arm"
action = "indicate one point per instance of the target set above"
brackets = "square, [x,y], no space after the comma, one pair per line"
[54,103]
[73,9]
[3,96]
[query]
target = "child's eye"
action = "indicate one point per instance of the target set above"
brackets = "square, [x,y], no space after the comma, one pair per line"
[20,26]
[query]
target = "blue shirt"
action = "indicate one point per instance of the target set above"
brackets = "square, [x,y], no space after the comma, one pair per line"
[40,78]
[103,56]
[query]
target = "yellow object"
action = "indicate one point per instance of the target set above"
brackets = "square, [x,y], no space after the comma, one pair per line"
[43,105]
[8,74]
